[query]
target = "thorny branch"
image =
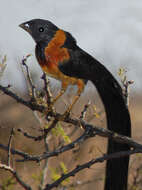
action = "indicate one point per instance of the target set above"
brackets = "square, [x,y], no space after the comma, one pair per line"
[100,131]
[14,173]
[56,152]
[89,131]
[46,131]
[45,167]
[46,89]
[94,129]
[29,79]
[9,146]
[14,151]
[83,113]
[126,84]
[88,165]
[26,134]
[29,104]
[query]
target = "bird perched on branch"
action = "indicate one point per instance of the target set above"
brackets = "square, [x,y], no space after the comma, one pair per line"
[60,57]
[51,50]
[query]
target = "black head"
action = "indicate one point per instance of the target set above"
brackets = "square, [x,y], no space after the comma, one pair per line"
[40,30]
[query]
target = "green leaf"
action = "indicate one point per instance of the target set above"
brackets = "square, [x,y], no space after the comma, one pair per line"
[54,174]
[63,167]
[58,130]
[95,112]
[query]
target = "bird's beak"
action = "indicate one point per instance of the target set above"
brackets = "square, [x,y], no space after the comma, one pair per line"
[25,26]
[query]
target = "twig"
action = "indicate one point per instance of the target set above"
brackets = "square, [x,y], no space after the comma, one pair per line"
[33,106]
[126,85]
[83,113]
[14,173]
[46,131]
[44,175]
[112,135]
[13,151]
[46,89]
[65,148]
[91,132]
[37,107]
[100,131]
[2,65]
[9,147]
[88,165]
[32,87]
[136,182]
[45,168]
[26,134]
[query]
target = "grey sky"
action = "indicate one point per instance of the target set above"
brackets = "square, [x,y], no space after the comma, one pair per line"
[110,30]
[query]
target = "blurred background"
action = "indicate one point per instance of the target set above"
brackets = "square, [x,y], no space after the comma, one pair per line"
[111,31]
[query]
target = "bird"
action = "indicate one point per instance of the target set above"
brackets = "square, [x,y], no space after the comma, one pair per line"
[49,53]
[60,57]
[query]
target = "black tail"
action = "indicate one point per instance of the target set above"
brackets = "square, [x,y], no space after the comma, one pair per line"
[84,66]
[118,120]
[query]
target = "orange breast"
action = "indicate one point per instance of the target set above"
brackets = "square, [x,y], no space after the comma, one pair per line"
[54,54]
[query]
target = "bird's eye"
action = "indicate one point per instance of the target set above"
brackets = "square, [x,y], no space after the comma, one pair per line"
[41,29]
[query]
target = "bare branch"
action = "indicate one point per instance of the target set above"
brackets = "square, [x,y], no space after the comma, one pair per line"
[37,107]
[112,135]
[46,89]
[126,84]
[83,113]
[2,66]
[9,147]
[90,131]
[29,79]
[13,151]
[14,173]
[88,165]
[45,167]
[26,134]
[65,148]
[47,130]
[33,106]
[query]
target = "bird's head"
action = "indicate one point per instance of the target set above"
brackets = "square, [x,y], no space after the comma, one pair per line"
[39,29]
